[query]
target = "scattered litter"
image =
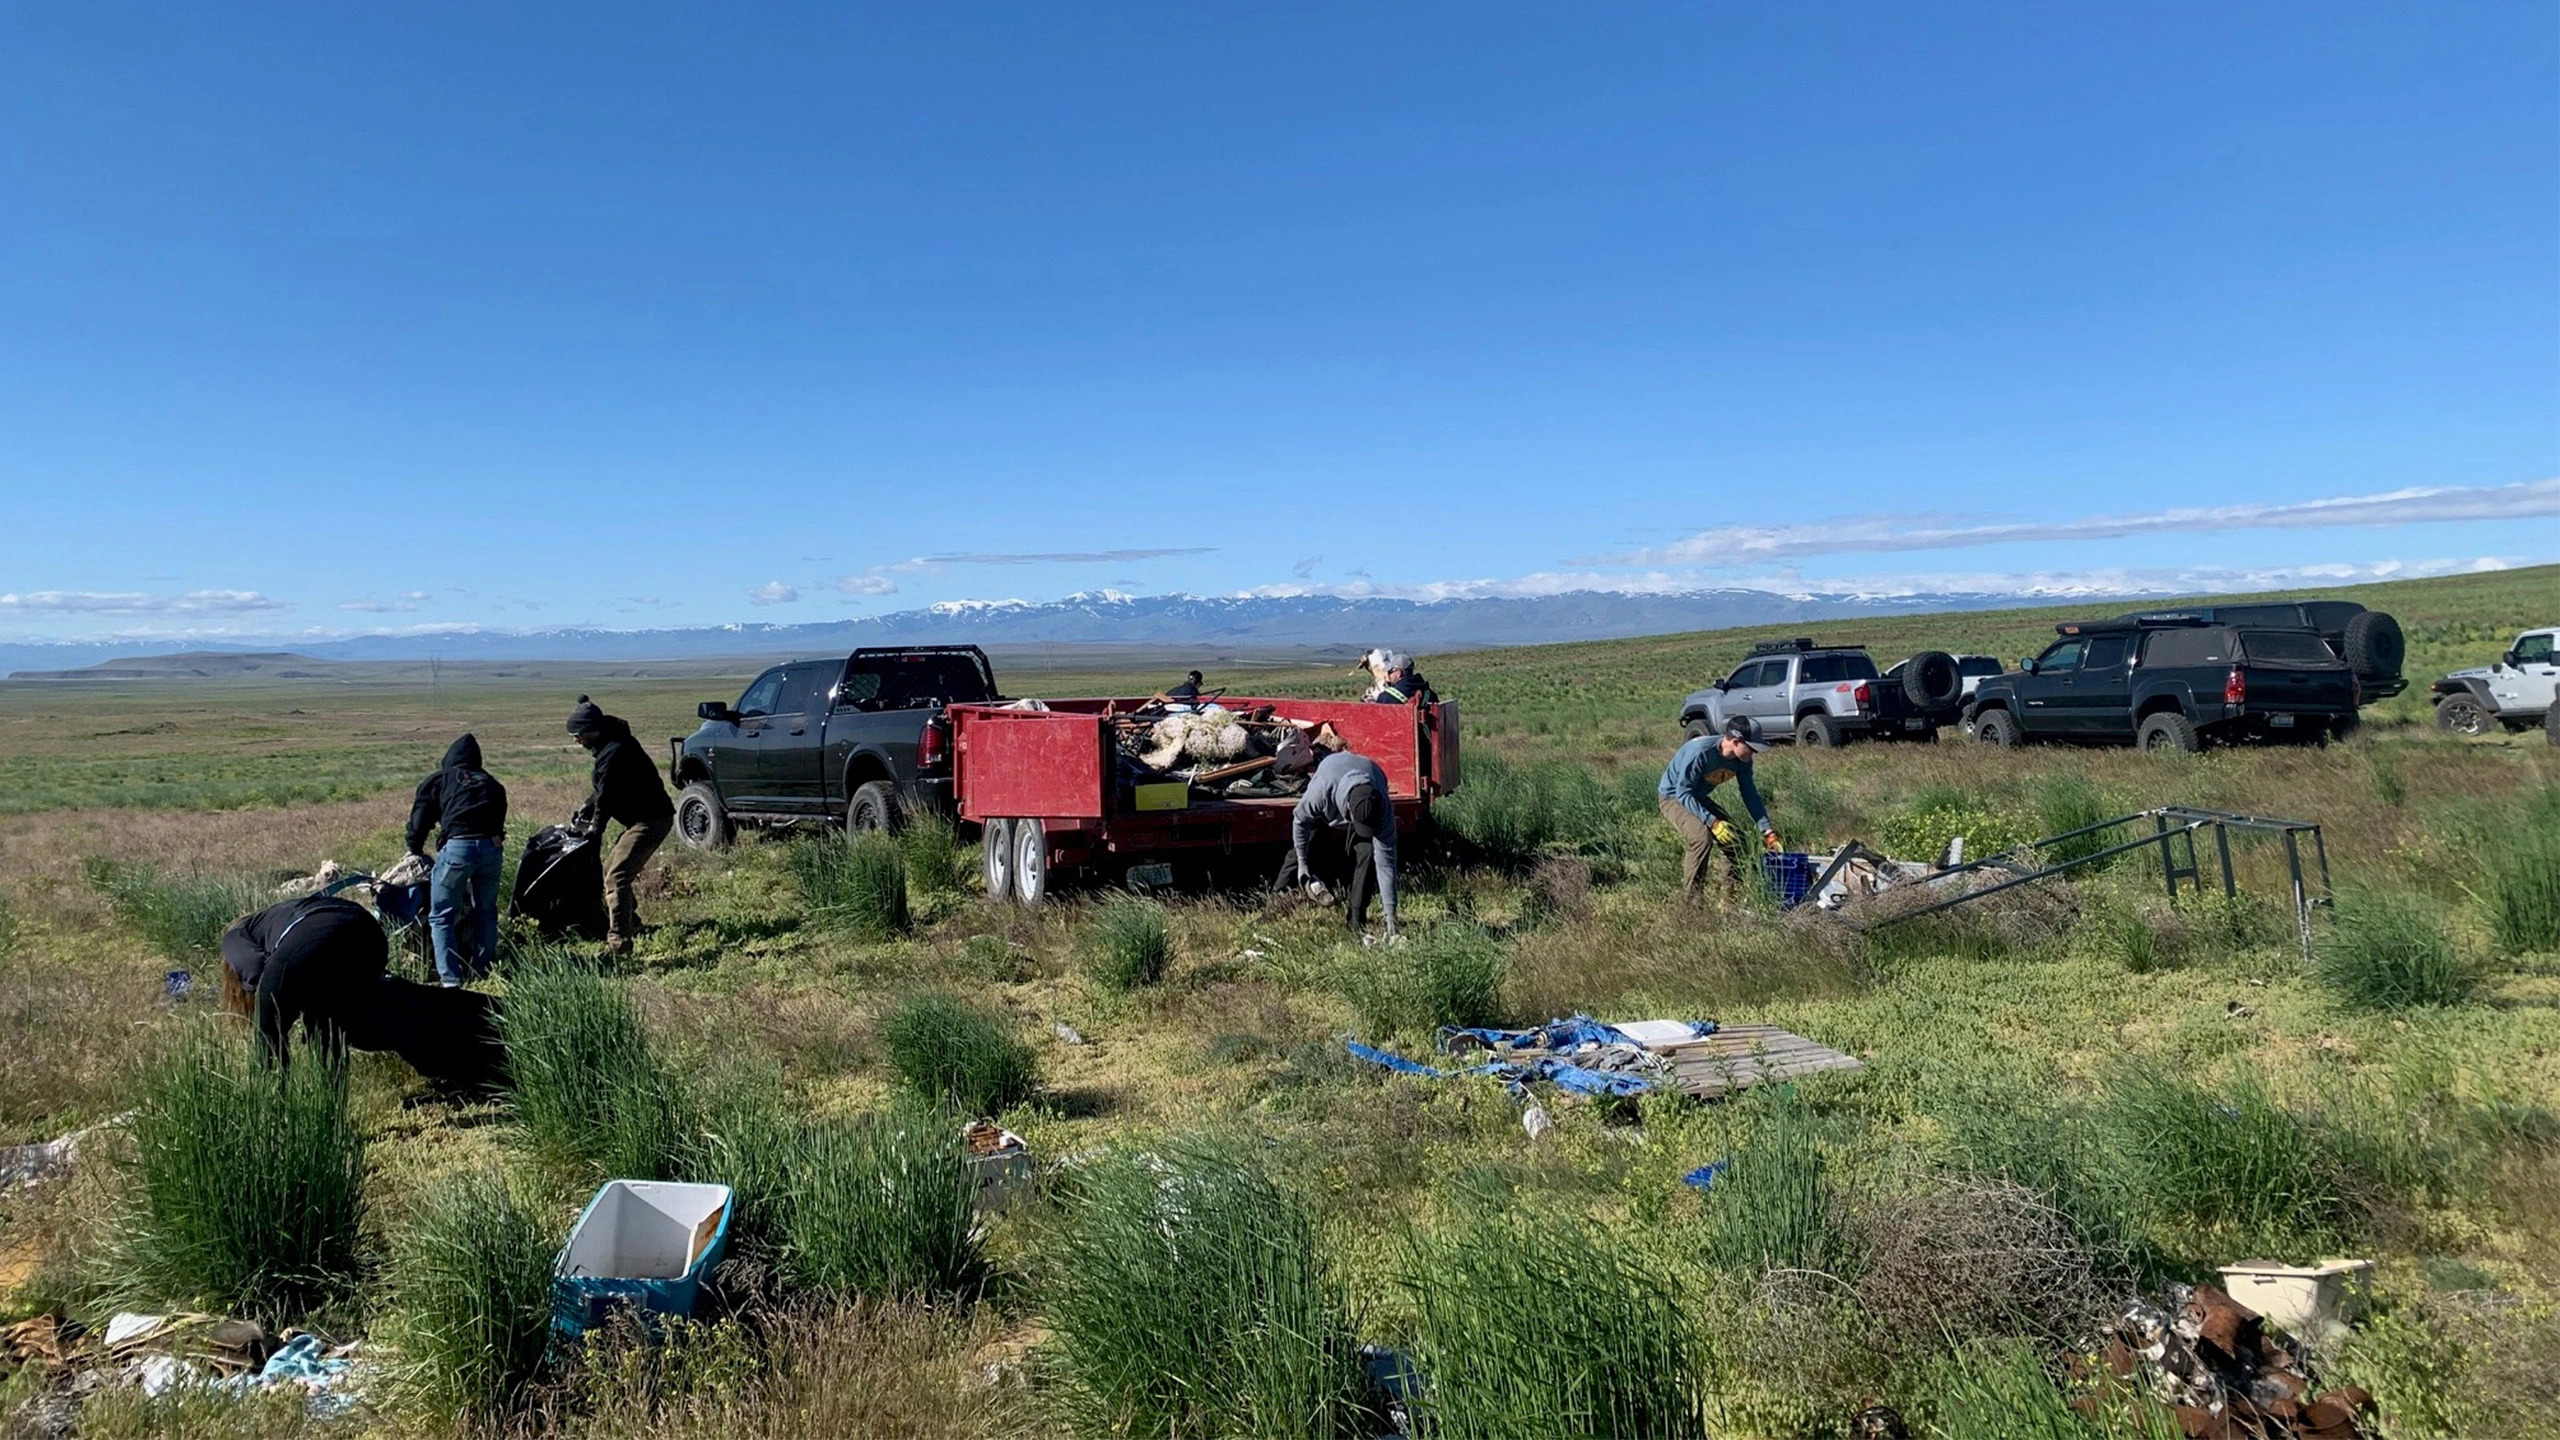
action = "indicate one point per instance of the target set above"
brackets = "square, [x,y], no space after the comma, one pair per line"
[1704,1177]
[177,985]
[1878,1422]
[411,869]
[640,1242]
[328,1375]
[161,1373]
[1535,1120]
[1592,1057]
[39,1340]
[1000,1159]
[2234,1010]
[1391,1373]
[2221,1370]
[1068,1033]
[28,1164]
[329,873]
[1736,1057]
[2312,1301]
[1251,953]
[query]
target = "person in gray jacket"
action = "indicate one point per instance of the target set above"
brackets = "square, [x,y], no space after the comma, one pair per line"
[1347,795]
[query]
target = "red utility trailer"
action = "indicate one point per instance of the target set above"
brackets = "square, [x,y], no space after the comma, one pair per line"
[1046,786]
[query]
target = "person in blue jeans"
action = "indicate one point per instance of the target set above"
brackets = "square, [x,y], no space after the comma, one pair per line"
[470,806]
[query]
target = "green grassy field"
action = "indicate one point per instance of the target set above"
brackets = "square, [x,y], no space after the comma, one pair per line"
[2066,1098]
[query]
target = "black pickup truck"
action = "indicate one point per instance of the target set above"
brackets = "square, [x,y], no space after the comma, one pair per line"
[2173,683]
[839,740]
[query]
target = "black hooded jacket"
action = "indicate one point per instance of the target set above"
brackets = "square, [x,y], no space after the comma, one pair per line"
[627,787]
[467,800]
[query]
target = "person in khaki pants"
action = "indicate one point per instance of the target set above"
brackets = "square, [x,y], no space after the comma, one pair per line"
[626,788]
[1696,769]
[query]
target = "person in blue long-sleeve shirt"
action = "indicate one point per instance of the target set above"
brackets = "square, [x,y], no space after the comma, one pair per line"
[1688,802]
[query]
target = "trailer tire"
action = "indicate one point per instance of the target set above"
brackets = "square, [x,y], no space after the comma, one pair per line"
[1030,861]
[1997,728]
[1931,680]
[2462,715]
[995,855]
[702,822]
[874,806]
[2165,731]
[2374,645]
[1817,732]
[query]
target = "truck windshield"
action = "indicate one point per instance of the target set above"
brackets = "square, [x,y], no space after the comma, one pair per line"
[2285,647]
[900,682]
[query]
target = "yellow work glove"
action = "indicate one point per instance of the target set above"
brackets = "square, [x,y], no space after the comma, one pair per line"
[1769,842]
[1722,830]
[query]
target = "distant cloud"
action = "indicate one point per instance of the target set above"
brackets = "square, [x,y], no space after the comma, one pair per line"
[871,582]
[1878,533]
[1306,566]
[127,602]
[407,601]
[773,592]
[1066,557]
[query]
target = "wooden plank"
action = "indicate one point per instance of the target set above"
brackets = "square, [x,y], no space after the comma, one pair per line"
[1739,1056]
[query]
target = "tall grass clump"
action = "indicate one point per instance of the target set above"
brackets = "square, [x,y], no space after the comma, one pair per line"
[856,884]
[1128,945]
[2524,880]
[1446,975]
[883,1206]
[1189,1297]
[2004,1392]
[937,863]
[2066,800]
[592,1098]
[469,1295]
[249,1193]
[1770,1207]
[1507,812]
[950,1050]
[182,917]
[2389,950]
[2228,1166]
[1534,1322]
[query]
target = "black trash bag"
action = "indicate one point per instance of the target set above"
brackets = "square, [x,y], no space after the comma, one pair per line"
[560,884]
[448,1036]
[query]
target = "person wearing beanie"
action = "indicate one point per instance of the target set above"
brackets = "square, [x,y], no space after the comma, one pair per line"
[626,788]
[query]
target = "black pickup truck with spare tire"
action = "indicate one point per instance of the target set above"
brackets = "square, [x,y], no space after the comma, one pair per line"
[2176,683]
[856,741]
[2368,640]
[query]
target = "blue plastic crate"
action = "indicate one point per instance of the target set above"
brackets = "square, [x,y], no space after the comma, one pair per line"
[1791,875]
[643,1243]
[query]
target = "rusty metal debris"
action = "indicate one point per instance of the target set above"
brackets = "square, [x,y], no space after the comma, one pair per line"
[2225,1374]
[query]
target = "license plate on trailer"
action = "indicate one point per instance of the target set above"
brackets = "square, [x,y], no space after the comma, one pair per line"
[1154,874]
[2281,722]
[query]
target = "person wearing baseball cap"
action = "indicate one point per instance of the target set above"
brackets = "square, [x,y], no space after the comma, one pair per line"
[1688,802]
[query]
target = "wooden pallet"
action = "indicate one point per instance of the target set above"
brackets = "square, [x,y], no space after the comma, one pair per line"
[1738,1056]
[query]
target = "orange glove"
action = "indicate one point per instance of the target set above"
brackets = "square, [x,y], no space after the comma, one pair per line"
[1769,842]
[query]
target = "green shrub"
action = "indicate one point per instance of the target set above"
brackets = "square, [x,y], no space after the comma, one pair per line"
[1533,1322]
[2066,800]
[1507,813]
[592,1099]
[883,1206]
[952,1051]
[2229,1166]
[470,1295]
[2524,881]
[937,863]
[183,917]
[1128,944]
[249,1183]
[2004,1392]
[1770,1209]
[1921,829]
[1446,975]
[1188,1295]
[2387,950]
[856,884]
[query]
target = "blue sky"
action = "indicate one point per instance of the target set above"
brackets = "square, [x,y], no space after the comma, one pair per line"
[335,318]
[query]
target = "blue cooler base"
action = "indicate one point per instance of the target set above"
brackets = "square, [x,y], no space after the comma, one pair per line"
[1791,875]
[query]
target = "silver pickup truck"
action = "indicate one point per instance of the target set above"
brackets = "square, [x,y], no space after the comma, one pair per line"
[1824,695]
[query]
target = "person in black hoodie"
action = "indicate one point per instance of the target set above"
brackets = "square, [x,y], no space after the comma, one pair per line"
[471,807]
[312,960]
[626,788]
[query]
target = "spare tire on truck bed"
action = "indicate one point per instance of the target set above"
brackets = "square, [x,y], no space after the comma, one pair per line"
[1931,680]
[2374,645]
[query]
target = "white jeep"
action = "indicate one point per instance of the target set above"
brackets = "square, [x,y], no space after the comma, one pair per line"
[2517,693]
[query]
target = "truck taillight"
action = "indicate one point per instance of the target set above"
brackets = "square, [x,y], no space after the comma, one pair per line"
[2355,689]
[933,745]
[1865,695]
[2235,689]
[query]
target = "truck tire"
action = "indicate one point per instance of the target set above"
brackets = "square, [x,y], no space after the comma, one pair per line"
[1932,681]
[1030,861]
[1997,728]
[1698,728]
[2343,728]
[2166,731]
[2551,724]
[702,822]
[2462,715]
[995,855]
[1817,732]
[874,806]
[2375,646]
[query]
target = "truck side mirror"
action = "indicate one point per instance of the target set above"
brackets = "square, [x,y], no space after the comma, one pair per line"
[715,710]
[1725,684]
[2028,665]
[2508,659]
